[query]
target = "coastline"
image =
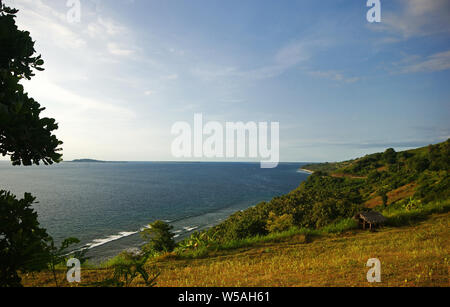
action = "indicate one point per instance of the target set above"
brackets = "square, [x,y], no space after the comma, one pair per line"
[187,213]
[303,170]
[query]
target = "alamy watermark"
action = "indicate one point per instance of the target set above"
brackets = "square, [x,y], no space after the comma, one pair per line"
[233,140]
[74,13]
[74,273]
[374,14]
[374,274]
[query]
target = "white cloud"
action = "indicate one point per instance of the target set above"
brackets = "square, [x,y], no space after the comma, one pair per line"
[46,23]
[176,51]
[212,73]
[71,102]
[50,27]
[170,77]
[413,64]
[287,57]
[119,50]
[103,27]
[415,18]
[334,75]
[292,54]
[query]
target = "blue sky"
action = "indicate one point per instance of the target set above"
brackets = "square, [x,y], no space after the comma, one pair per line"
[339,86]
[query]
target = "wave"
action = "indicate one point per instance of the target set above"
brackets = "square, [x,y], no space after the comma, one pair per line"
[183,230]
[190,228]
[100,242]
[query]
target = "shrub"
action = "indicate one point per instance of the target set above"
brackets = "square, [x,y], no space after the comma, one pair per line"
[341,226]
[398,216]
[324,213]
[279,223]
[390,156]
[159,237]
[196,241]
[244,225]
[127,267]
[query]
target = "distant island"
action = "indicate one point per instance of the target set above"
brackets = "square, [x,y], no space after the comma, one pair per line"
[93,161]
[87,161]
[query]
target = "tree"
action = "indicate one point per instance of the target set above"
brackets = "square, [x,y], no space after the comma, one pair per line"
[420,164]
[23,243]
[324,212]
[390,156]
[24,135]
[28,139]
[159,237]
[247,224]
[384,197]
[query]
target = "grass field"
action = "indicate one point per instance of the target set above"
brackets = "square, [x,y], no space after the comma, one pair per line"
[410,256]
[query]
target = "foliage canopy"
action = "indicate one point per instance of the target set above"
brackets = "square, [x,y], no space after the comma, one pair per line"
[24,135]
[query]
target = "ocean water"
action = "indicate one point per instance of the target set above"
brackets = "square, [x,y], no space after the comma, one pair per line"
[105,205]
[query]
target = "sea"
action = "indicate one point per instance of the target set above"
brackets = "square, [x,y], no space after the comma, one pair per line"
[106,205]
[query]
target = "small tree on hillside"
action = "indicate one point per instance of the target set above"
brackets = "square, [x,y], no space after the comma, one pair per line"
[159,237]
[390,156]
[384,197]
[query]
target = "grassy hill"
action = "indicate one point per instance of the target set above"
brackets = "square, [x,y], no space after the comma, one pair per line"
[308,237]
[336,191]
[410,256]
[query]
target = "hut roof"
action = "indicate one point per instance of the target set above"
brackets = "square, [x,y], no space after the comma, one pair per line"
[372,217]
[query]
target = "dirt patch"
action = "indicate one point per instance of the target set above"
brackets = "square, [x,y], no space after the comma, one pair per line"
[347,176]
[393,196]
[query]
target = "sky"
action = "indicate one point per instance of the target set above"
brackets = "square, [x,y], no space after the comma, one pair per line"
[340,87]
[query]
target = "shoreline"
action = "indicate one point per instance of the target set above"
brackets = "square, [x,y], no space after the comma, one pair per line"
[182,231]
[303,170]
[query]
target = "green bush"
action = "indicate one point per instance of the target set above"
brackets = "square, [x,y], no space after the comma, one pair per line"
[279,223]
[127,267]
[197,241]
[341,226]
[398,216]
[159,237]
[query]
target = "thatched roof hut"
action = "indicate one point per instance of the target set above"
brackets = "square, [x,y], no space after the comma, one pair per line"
[370,218]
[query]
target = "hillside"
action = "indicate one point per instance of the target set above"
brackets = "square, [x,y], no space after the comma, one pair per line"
[337,191]
[410,256]
[308,237]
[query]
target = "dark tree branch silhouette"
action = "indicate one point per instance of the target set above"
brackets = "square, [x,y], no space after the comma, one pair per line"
[28,139]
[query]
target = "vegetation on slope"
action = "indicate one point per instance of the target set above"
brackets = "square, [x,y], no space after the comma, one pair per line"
[410,256]
[378,180]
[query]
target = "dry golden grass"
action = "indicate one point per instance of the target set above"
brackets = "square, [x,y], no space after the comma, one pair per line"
[410,256]
[341,175]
